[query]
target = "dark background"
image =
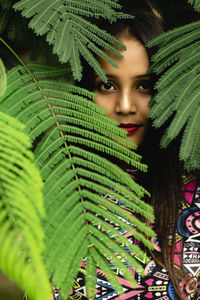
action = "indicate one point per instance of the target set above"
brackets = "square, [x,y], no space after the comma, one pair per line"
[174,12]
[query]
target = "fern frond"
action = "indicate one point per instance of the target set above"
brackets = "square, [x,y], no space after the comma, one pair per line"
[171,58]
[71,265]
[3,79]
[170,98]
[93,8]
[112,232]
[178,87]
[175,45]
[190,144]
[70,33]
[100,261]
[163,115]
[5,4]
[3,20]
[194,158]
[95,49]
[185,93]
[105,168]
[42,71]
[173,34]
[91,270]
[185,63]
[186,109]
[74,135]
[122,253]
[126,227]
[188,133]
[21,210]
[114,259]
[196,4]
[85,52]
[95,5]
[171,92]
[137,206]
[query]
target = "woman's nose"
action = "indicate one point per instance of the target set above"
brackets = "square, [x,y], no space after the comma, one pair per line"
[126,103]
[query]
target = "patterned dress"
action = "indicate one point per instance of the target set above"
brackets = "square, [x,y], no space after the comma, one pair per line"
[156,284]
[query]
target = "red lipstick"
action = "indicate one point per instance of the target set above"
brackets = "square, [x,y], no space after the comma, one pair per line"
[129,127]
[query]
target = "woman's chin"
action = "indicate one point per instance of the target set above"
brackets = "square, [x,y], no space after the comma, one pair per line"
[134,139]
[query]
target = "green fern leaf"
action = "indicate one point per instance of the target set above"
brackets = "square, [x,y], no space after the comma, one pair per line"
[171,58]
[91,270]
[194,158]
[74,262]
[175,45]
[165,113]
[196,4]
[3,20]
[178,88]
[190,144]
[173,34]
[115,248]
[42,71]
[185,63]
[77,181]
[21,210]
[186,109]
[5,4]
[3,79]
[114,259]
[91,60]
[114,219]
[111,277]
[70,34]
[112,232]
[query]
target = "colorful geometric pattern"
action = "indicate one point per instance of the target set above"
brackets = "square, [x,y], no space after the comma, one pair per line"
[156,284]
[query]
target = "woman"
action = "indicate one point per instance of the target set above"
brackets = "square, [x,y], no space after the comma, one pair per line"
[173,271]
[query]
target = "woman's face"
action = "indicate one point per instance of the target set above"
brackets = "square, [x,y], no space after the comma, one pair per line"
[128,90]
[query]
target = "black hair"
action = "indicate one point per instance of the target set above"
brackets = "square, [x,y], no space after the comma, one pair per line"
[144,27]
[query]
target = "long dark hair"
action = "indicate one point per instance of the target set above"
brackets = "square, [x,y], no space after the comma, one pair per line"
[163,179]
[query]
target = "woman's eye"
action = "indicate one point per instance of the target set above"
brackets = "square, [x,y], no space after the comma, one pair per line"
[145,85]
[108,86]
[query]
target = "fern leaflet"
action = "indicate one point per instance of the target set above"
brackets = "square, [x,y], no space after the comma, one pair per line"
[70,33]
[3,79]
[196,4]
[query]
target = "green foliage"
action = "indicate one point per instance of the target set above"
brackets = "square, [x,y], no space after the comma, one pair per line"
[65,24]
[73,134]
[196,4]
[5,4]
[21,210]
[178,89]
[8,20]
[3,79]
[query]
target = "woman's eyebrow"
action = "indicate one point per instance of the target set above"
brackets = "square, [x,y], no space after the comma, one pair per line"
[107,75]
[146,75]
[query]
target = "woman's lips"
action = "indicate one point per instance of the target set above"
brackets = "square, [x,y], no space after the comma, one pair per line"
[129,127]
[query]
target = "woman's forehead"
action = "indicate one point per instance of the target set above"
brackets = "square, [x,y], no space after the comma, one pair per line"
[135,59]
